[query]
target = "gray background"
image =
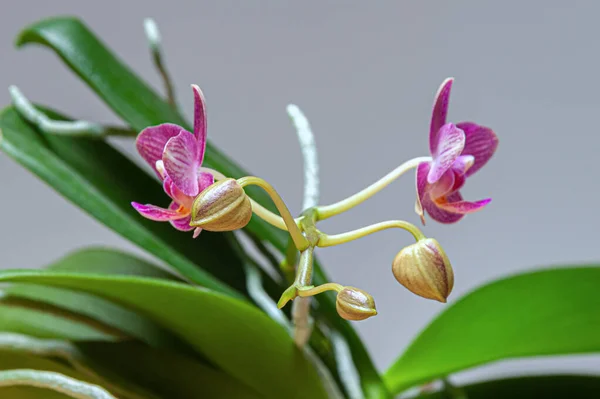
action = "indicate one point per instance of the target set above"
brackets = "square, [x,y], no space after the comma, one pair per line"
[365,74]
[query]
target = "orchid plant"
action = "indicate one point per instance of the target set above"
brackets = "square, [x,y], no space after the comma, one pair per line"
[211,322]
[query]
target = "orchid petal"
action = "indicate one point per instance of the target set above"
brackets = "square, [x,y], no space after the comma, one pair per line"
[421,181]
[459,181]
[463,163]
[155,213]
[463,207]
[451,144]
[182,224]
[197,232]
[480,142]
[441,215]
[182,160]
[439,113]
[205,180]
[160,169]
[443,186]
[200,120]
[151,142]
[176,195]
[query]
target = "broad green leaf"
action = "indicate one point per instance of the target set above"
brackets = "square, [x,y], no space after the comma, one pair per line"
[167,374]
[546,387]
[548,312]
[234,335]
[140,106]
[42,324]
[101,261]
[109,261]
[96,308]
[102,181]
[126,367]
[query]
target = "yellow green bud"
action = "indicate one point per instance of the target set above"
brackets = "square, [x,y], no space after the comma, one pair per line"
[223,206]
[424,269]
[355,304]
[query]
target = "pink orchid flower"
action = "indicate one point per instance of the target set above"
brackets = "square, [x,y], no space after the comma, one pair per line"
[176,156]
[458,151]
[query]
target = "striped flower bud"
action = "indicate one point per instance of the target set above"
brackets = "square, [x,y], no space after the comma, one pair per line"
[424,269]
[223,206]
[355,304]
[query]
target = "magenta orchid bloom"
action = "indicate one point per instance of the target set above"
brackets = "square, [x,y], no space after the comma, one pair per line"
[458,151]
[176,156]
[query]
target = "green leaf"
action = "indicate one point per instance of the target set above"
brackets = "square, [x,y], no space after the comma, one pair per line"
[99,260]
[97,308]
[234,335]
[140,106]
[126,367]
[547,387]
[41,324]
[167,374]
[102,181]
[548,312]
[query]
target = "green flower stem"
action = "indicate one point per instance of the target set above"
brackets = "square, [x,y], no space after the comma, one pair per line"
[328,211]
[258,209]
[154,42]
[305,268]
[288,264]
[53,381]
[337,239]
[300,241]
[301,306]
[307,292]
[270,217]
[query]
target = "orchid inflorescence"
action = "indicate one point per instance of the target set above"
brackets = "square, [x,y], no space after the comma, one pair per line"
[205,199]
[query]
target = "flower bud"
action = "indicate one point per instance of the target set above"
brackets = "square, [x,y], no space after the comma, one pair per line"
[425,270]
[355,304]
[223,206]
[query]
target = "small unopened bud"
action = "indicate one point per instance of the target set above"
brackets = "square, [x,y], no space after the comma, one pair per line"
[425,270]
[223,206]
[355,304]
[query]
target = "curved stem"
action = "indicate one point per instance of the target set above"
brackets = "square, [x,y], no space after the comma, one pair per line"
[258,209]
[331,240]
[319,289]
[328,211]
[268,216]
[299,240]
[301,306]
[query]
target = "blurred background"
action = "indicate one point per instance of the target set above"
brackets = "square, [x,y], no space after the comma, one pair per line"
[365,75]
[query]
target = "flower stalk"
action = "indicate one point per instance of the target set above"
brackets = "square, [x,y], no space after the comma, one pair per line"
[295,232]
[337,239]
[346,204]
